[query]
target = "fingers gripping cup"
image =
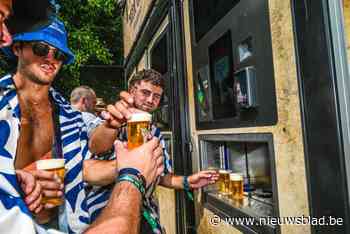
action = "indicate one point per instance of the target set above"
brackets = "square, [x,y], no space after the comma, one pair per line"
[57,166]
[139,126]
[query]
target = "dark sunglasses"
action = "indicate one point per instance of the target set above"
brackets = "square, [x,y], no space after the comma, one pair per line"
[42,50]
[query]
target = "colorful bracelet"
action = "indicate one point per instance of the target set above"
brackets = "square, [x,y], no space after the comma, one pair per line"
[150,220]
[187,189]
[134,180]
[185,183]
[135,172]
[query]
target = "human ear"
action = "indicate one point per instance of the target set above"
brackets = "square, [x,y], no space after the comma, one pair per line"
[132,90]
[16,48]
[83,100]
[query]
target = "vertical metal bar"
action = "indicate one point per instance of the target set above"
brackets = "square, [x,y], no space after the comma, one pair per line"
[181,129]
[336,19]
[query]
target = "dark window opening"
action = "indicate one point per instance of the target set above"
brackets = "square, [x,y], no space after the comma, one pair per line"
[208,13]
[221,77]
[160,62]
[159,56]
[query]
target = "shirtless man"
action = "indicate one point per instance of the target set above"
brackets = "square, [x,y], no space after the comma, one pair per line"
[28,184]
[147,159]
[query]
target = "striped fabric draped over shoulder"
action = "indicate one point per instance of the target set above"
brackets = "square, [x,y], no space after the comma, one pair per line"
[75,149]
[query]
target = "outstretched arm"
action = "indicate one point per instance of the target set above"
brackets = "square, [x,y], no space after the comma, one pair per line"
[197,180]
[171,181]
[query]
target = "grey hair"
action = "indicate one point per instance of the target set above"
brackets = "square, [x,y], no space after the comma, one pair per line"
[81,92]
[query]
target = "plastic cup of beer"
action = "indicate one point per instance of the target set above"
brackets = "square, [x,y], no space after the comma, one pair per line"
[213,187]
[55,165]
[224,182]
[139,126]
[236,186]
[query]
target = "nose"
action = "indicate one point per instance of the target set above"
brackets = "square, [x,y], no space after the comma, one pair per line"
[5,37]
[51,54]
[150,99]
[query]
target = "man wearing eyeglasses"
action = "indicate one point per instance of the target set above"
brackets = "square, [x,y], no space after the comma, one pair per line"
[145,92]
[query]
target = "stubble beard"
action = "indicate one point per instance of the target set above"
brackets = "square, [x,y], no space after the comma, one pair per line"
[24,68]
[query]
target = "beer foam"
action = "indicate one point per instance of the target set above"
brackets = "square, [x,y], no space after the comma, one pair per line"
[224,171]
[236,177]
[48,164]
[140,117]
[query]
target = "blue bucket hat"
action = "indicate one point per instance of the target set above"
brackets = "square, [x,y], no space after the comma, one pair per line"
[54,34]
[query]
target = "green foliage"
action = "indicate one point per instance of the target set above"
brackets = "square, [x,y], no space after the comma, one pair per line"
[95,37]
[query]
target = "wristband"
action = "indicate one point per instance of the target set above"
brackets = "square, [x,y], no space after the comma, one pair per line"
[134,180]
[187,189]
[135,172]
[150,220]
[185,183]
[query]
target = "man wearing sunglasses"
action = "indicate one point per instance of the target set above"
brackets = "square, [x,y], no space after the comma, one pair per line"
[36,123]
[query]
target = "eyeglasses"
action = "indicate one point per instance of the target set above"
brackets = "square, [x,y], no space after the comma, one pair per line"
[146,93]
[42,50]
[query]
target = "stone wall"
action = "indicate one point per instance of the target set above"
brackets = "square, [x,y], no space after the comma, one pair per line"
[287,134]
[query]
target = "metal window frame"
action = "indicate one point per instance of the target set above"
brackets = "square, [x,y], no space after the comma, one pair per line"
[337,25]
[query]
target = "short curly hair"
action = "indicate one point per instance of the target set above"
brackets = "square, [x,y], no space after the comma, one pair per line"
[147,75]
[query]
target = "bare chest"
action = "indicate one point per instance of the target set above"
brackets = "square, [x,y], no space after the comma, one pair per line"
[36,135]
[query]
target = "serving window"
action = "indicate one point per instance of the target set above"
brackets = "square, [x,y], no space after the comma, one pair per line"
[251,157]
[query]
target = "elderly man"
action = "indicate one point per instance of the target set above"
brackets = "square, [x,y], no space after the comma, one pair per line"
[83,98]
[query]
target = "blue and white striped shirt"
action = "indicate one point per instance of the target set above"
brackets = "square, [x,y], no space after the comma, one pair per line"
[14,214]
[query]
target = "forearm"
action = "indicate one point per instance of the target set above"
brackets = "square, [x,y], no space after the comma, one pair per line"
[172,181]
[122,213]
[99,172]
[102,139]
